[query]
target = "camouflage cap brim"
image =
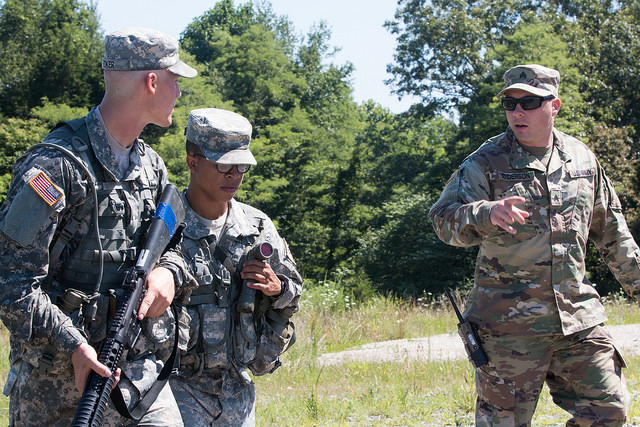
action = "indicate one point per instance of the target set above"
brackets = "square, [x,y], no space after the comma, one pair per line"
[183,70]
[222,135]
[533,78]
[538,91]
[136,49]
[240,156]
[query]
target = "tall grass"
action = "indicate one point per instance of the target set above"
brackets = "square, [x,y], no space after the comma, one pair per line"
[406,392]
[403,393]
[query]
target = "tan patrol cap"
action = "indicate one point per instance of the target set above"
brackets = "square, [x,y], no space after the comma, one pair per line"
[532,78]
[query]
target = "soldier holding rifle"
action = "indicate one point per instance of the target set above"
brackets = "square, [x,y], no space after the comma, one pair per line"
[77,209]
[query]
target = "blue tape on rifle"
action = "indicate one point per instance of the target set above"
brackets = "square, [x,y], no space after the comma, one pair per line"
[165,213]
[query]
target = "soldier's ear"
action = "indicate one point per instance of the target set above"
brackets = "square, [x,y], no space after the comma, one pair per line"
[555,106]
[192,162]
[151,82]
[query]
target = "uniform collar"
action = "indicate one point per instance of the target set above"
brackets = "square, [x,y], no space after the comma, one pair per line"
[522,159]
[104,154]
[236,227]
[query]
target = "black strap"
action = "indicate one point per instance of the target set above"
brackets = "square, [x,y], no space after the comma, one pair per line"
[223,259]
[205,298]
[147,400]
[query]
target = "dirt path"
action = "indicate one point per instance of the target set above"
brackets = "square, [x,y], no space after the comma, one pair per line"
[449,347]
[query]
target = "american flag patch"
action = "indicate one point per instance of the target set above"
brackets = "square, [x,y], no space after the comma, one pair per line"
[45,188]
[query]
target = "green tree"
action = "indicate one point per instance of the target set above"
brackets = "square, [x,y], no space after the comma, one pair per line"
[405,256]
[52,49]
[17,135]
[405,161]
[453,55]
[441,52]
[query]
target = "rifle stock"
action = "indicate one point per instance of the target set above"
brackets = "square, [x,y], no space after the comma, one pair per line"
[125,327]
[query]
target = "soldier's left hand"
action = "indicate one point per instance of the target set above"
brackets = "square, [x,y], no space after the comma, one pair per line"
[263,277]
[160,292]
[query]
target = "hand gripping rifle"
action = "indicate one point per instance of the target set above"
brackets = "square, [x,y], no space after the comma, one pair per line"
[472,345]
[125,328]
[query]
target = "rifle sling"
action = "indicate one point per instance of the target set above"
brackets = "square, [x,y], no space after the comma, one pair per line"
[147,400]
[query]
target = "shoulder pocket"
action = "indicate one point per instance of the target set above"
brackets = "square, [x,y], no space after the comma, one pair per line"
[32,208]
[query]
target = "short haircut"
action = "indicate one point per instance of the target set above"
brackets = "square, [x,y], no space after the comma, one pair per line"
[192,148]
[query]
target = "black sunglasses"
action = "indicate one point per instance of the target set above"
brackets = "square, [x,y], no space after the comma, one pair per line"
[242,168]
[527,103]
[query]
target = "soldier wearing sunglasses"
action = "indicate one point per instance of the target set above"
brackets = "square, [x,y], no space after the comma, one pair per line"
[223,336]
[531,198]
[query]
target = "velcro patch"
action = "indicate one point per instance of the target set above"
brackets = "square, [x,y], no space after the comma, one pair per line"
[516,176]
[46,189]
[451,177]
[581,173]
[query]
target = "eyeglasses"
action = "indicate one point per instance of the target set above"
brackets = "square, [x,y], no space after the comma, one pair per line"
[527,103]
[242,168]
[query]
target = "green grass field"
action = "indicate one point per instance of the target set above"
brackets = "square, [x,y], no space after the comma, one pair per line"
[404,393]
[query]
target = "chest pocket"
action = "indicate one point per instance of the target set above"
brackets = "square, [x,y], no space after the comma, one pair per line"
[580,194]
[123,217]
[210,312]
[215,324]
[536,204]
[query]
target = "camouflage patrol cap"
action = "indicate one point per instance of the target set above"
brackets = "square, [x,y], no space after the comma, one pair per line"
[136,48]
[223,136]
[533,78]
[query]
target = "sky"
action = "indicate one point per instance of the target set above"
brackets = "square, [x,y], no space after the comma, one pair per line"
[356,27]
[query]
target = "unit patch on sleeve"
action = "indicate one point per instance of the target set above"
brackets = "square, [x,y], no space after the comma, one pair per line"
[46,189]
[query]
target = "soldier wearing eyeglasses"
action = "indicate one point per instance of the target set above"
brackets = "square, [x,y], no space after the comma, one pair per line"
[531,198]
[238,319]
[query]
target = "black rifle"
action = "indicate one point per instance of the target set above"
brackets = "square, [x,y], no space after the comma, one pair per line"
[246,300]
[126,327]
[472,345]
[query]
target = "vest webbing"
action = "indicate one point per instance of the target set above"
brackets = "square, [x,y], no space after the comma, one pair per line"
[85,256]
[75,132]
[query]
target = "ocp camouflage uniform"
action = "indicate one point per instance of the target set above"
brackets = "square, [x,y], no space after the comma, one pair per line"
[49,201]
[219,343]
[531,301]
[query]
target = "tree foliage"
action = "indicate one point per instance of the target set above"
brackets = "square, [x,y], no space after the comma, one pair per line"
[303,116]
[350,186]
[453,55]
[49,48]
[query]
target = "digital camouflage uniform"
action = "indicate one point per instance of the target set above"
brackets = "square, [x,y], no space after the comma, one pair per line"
[28,224]
[48,244]
[538,315]
[220,340]
[211,388]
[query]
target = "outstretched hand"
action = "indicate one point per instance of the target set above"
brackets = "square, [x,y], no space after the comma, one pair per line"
[504,212]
